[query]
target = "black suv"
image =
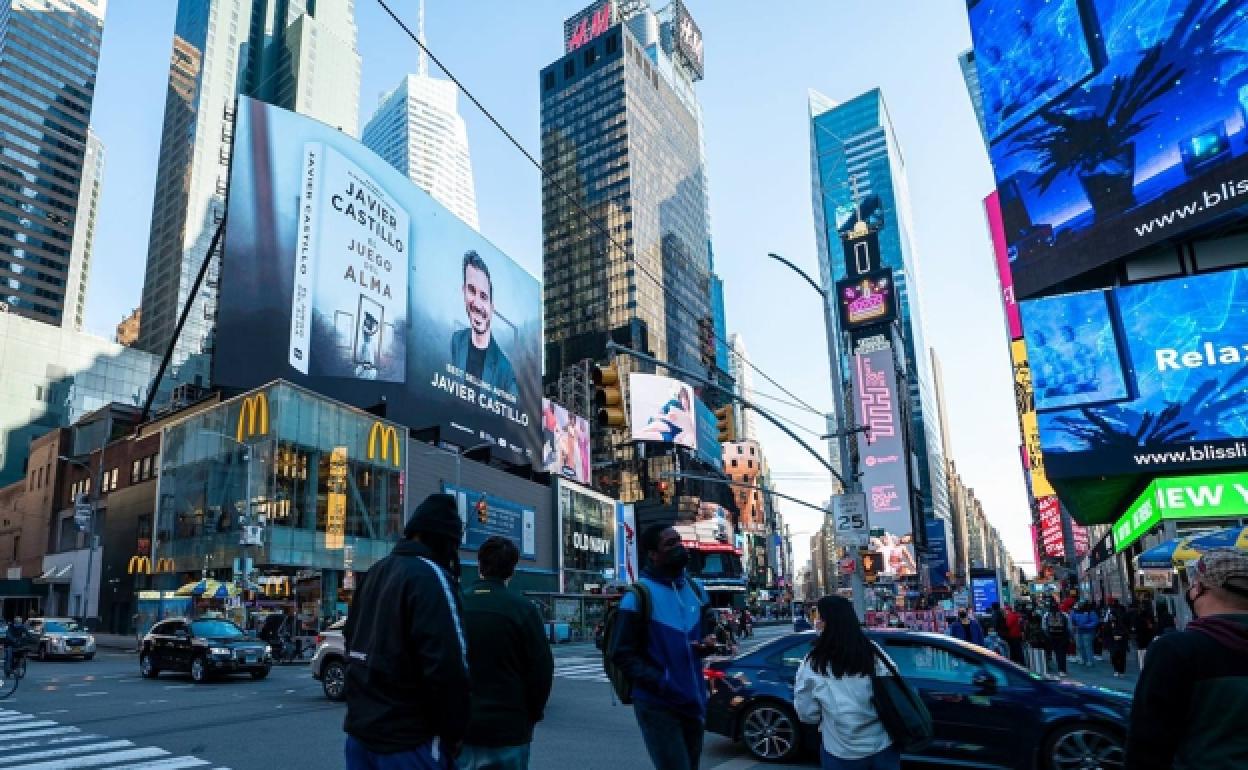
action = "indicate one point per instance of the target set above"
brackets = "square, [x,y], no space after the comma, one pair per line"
[204,647]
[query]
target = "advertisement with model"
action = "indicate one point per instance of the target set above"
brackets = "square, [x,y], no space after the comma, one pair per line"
[1142,378]
[882,459]
[565,442]
[342,276]
[662,409]
[1113,125]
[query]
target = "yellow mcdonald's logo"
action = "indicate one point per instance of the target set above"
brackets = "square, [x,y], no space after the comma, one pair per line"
[253,417]
[164,565]
[389,440]
[140,565]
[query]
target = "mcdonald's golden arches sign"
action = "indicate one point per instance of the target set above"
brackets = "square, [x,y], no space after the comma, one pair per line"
[389,438]
[253,416]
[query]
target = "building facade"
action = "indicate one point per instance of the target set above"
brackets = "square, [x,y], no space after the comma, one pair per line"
[855,157]
[295,54]
[128,328]
[747,430]
[49,177]
[417,129]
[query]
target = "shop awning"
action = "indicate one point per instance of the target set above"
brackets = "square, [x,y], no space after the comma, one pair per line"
[56,574]
[1159,556]
[1191,549]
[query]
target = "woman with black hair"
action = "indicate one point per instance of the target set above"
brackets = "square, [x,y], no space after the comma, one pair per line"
[834,690]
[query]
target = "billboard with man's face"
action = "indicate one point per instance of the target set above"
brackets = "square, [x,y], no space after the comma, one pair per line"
[662,409]
[342,276]
[1113,124]
[1142,378]
[565,442]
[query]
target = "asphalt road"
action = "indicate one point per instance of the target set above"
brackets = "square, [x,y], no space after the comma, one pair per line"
[102,714]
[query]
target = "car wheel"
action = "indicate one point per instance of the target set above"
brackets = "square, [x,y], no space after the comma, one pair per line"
[334,680]
[260,673]
[1074,747]
[770,732]
[199,670]
[147,667]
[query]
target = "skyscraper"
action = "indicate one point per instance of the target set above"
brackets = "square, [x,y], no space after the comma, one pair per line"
[293,53]
[417,129]
[49,163]
[621,133]
[854,157]
[746,429]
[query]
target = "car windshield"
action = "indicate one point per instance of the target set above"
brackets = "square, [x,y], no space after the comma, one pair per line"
[217,629]
[61,626]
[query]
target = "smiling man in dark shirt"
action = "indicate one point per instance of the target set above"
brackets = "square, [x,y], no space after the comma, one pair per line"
[474,349]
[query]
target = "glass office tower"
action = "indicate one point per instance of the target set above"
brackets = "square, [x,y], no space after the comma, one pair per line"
[854,154]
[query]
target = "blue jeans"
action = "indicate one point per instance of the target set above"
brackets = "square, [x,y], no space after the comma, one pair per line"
[493,757]
[888,759]
[426,757]
[1085,642]
[674,741]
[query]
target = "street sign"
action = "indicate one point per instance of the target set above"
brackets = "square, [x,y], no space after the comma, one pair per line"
[83,511]
[849,513]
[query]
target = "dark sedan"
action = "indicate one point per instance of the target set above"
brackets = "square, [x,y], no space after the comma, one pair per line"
[203,648]
[988,712]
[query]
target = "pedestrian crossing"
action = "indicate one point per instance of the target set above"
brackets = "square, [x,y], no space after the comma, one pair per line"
[581,669]
[29,742]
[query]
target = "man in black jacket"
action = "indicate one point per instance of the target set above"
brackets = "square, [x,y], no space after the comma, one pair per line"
[509,657]
[1191,703]
[407,669]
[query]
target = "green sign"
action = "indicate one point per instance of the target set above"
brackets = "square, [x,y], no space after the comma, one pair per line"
[1212,496]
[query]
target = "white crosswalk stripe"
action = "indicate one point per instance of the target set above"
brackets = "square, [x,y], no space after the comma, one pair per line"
[580,669]
[29,743]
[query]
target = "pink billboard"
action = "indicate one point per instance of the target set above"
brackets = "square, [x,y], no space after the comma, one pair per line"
[996,228]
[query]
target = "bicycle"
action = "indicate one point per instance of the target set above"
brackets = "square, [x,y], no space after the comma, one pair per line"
[11,676]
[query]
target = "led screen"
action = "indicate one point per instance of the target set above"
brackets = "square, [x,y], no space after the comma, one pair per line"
[1183,354]
[1114,124]
[342,276]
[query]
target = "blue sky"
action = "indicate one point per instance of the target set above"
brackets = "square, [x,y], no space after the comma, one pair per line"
[761,59]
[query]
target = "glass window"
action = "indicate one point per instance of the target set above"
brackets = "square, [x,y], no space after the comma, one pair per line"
[793,654]
[215,629]
[935,664]
[61,626]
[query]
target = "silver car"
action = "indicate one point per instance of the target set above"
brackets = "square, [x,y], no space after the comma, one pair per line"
[329,664]
[61,638]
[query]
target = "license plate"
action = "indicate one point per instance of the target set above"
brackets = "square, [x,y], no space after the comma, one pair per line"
[75,649]
[251,657]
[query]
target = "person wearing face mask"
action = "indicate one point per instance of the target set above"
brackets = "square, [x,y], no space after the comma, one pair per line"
[407,663]
[659,646]
[967,628]
[1191,701]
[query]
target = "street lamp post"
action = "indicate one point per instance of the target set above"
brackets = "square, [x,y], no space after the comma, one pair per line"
[99,491]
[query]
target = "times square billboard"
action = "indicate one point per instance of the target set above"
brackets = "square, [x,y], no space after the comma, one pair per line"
[342,276]
[1143,378]
[1113,125]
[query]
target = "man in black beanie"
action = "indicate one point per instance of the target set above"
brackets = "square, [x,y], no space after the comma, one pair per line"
[407,668]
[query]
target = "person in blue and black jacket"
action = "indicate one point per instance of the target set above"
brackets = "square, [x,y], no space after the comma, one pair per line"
[662,653]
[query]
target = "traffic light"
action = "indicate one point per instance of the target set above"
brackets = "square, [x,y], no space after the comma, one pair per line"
[726,421]
[666,491]
[483,511]
[608,397]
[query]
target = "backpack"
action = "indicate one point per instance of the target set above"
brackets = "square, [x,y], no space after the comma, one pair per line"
[902,713]
[621,683]
[1055,622]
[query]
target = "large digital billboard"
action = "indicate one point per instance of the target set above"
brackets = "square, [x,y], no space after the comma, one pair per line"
[565,442]
[662,409]
[868,300]
[1025,405]
[342,276]
[1210,496]
[587,522]
[882,460]
[1113,124]
[485,515]
[1169,376]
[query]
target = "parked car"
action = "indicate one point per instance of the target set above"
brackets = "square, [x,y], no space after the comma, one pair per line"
[205,648]
[987,711]
[329,664]
[61,638]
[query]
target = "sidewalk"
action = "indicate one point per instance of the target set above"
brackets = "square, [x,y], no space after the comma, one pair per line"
[1101,673]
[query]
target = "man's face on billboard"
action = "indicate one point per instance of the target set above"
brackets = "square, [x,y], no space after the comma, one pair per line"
[478,300]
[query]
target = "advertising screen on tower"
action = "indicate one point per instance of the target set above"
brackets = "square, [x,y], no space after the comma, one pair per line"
[1113,124]
[1142,378]
[662,409]
[565,442]
[882,461]
[868,300]
[342,276]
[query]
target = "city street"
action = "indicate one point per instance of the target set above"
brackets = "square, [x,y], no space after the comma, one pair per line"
[102,714]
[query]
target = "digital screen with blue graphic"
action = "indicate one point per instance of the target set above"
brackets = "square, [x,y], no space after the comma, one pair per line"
[1170,366]
[485,515]
[937,552]
[1113,124]
[984,593]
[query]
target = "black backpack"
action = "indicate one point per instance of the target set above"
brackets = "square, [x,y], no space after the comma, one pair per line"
[621,683]
[902,712]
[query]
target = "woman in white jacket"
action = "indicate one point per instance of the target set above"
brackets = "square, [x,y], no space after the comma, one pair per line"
[833,690]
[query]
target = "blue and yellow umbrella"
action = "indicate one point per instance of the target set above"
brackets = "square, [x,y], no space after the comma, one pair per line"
[208,589]
[1191,548]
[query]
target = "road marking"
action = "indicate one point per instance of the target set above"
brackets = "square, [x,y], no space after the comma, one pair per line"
[26,725]
[45,713]
[178,686]
[580,669]
[49,753]
[88,694]
[35,744]
[109,758]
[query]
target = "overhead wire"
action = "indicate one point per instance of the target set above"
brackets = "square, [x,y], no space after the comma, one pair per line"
[595,223]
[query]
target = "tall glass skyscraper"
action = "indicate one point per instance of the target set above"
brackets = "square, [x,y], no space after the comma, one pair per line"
[621,132]
[854,154]
[49,50]
[294,53]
